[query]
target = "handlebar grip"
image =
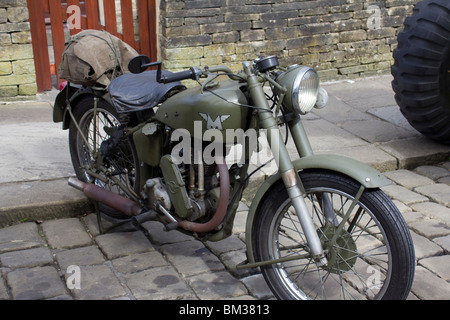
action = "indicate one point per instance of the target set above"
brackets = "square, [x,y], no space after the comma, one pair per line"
[178,76]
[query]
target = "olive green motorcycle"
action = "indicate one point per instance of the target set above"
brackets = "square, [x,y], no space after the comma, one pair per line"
[147,148]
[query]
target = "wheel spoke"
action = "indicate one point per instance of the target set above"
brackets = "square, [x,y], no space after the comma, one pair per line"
[117,164]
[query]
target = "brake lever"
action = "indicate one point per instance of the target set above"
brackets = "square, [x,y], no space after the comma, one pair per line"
[209,78]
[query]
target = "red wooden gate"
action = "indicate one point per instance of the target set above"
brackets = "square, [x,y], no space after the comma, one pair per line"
[54,15]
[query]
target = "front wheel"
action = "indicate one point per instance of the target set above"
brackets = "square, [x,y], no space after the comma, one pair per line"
[373,258]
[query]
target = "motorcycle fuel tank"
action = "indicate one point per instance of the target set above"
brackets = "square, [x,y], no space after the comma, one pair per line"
[215,108]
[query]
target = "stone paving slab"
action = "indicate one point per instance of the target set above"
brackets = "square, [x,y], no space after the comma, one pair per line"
[83,256]
[428,286]
[20,237]
[65,234]
[411,153]
[26,201]
[35,283]
[26,258]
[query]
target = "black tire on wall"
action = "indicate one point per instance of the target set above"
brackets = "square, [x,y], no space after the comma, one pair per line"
[422,69]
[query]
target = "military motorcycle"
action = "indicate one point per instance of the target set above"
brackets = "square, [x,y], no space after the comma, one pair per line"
[147,148]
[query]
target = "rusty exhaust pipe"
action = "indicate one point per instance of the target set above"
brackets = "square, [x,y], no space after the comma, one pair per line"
[221,208]
[111,199]
[132,209]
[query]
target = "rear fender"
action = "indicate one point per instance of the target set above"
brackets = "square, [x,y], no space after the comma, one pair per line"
[70,95]
[364,174]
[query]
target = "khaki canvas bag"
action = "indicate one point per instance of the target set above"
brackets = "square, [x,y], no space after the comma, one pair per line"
[94,57]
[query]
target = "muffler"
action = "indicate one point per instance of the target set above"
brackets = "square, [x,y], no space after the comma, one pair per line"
[109,198]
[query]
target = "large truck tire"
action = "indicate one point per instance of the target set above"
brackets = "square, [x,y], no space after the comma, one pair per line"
[421,69]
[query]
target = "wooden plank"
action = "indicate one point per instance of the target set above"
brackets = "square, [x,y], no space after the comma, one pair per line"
[144,39]
[152,30]
[57,23]
[92,15]
[83,15]
[128,23]
[73,3]
[45,6]
[110,16]
[147,28]
[39,40]
[84,24]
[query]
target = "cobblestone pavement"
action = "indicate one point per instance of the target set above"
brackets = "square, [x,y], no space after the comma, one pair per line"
[423,197]
[132,264]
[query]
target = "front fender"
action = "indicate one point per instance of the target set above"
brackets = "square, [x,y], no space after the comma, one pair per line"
[364,174]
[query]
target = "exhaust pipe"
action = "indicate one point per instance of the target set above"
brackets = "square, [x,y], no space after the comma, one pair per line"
[224,198]
[132,209]
[111,199]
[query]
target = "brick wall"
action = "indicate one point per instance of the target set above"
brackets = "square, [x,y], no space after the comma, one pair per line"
[341,38]
[17,72]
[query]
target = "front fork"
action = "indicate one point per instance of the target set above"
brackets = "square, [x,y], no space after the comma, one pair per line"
[289,175]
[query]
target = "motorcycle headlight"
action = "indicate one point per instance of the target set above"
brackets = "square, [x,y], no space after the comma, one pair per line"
[302,84]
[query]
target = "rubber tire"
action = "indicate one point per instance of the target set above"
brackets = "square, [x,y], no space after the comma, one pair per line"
[84,105]
[421,63]
[397,232]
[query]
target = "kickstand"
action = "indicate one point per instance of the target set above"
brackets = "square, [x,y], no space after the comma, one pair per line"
[99,217]
[101,228]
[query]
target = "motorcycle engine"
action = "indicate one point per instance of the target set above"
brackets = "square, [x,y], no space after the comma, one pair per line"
[189,190]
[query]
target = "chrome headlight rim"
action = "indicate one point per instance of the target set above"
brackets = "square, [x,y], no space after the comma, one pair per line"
[304,99]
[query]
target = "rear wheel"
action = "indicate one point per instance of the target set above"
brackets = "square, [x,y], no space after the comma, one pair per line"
[422,69]
[373,258]
[107,159]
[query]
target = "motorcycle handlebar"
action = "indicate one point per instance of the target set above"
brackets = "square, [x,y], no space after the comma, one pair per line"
[194,73]
[178,76]
[141,63]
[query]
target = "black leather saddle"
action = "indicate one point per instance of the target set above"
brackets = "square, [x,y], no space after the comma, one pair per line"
[135,92]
